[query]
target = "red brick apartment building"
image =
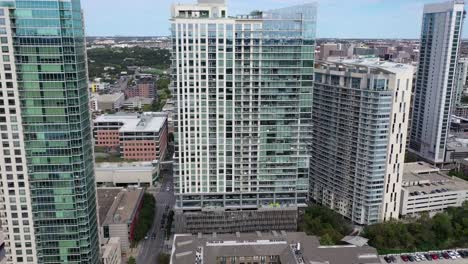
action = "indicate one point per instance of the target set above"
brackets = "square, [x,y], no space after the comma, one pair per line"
[144,88]
[141,137]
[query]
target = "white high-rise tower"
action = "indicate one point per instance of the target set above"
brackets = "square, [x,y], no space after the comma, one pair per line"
[435,83]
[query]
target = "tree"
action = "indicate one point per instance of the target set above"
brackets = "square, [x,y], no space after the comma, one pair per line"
[326,240]
[131,260]
[164,258]
[326,223]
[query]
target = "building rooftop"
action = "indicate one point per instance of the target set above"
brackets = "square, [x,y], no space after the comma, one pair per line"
[139,99]
[376,63]
[106,197]
[291,247]
[423,178]
[109,97]
[122,165]
[123,207]
[136,122]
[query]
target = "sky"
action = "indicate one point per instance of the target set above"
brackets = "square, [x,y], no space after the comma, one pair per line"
[335,18]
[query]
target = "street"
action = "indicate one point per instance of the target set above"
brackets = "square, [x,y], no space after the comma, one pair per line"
[151,247]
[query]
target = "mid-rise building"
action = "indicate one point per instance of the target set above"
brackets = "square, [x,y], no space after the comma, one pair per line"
[144,88]
[141,137]
[48,193]
[360,113]
[327,50]
[242,91]
[428,190]
[436,79]
[118,213]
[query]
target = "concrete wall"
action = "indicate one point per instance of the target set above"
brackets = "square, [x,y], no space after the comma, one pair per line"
[116,176]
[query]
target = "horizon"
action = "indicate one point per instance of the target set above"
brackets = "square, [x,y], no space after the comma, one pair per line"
[365,19]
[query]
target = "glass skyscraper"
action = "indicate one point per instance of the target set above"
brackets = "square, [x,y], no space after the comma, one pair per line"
[243,92]
[48,196]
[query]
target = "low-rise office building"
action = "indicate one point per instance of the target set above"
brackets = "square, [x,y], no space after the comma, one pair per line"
[118,213]
[428,190]
[143,173]
[139,136]
[272,247]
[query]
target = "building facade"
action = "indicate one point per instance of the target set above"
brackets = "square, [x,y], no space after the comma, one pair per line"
[242,89]
[460,82]
[48,193]
[436,79]
[144,88]
[141,137]
[360,113]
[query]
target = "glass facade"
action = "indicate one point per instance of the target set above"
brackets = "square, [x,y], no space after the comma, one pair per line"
[50,55]
[243,88]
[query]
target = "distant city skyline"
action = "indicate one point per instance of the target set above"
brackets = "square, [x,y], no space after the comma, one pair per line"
[336,18]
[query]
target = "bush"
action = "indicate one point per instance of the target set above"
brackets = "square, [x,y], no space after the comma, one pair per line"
[131,260]
[146,217]
[330,226]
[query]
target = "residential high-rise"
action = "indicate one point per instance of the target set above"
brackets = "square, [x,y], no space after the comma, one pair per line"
[47,195]
[360,113]
[461,84]
[435,83]
[243,92]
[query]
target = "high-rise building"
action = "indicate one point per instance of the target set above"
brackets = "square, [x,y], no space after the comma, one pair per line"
[243,92]
[47,194]
[360,113]
[461,83]
[435,83]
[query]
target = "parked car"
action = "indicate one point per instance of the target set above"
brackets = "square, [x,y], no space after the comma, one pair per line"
[445,255]
[428,257]
[387,259]
[404,258]
[411,258]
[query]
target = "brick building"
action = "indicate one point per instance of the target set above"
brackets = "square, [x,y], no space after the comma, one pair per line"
[144,88]
[141,137]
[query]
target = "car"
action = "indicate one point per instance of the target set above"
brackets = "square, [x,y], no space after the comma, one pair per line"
[463,253]
[168,189]
[451,255]
[434,256]
[411,258]
[387,259]
[146,237]
[404,258]
[393,259]
[445,255]
[428,257]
